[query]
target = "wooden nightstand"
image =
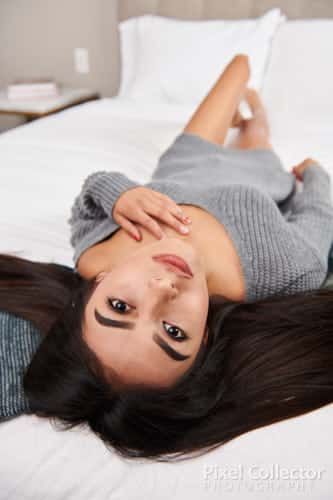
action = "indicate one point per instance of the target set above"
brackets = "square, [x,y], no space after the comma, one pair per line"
[31,109]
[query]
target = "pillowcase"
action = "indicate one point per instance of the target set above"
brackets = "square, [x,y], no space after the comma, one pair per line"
[19,340]
[179,61]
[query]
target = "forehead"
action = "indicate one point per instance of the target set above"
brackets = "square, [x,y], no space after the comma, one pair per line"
[133,353]
[134,358]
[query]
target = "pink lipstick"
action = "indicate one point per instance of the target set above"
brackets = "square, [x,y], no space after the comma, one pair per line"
[175,261]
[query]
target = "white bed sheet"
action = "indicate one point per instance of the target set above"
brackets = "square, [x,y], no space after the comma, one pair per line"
[42,167]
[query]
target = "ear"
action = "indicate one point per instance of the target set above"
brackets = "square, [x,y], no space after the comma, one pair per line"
[100,276]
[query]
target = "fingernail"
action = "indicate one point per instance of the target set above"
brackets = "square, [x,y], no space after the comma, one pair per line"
[187,219]
[184,229]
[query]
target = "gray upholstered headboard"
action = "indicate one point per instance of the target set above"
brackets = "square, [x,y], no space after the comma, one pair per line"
[227,9]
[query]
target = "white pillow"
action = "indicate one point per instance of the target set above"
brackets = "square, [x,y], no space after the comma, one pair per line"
[178,61]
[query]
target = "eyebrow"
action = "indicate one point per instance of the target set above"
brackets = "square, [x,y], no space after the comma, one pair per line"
[129,325]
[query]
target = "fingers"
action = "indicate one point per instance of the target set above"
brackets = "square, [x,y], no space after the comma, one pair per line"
[145,207]
[294,172]
[168,205]
[145,221]
[169,213]
[298,170]
[309,161]
[128,226]
[172,221]
[151,225]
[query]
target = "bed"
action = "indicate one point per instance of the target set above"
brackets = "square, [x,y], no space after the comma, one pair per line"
[42,167]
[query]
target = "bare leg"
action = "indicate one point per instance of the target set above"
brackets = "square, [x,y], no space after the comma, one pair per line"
[215,114]
[253,133]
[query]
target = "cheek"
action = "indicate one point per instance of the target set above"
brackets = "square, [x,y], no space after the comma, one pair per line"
[204,308]
[199,310]
[202,300]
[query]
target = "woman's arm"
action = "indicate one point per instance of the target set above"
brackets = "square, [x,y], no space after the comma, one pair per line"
[109,200]
[213,117]
[312,209]
[91,220]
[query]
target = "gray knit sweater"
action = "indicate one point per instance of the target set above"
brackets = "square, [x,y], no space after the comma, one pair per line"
[282,235]
[19,340]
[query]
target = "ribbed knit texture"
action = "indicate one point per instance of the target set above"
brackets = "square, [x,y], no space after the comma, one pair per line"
[18,343]
[282,235]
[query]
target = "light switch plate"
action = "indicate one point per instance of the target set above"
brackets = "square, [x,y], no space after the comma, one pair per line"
[81,60]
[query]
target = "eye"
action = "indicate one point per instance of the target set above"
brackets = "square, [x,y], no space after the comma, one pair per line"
[117,308]
[175,336]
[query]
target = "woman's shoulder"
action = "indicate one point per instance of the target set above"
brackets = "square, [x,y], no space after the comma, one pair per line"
[274,256]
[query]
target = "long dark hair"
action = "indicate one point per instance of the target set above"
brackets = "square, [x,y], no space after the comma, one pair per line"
[265,361]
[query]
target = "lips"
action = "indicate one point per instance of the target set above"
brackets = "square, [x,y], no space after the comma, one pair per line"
[175,261]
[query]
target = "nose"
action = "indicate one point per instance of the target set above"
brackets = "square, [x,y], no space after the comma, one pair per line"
[161,292]
[164,287]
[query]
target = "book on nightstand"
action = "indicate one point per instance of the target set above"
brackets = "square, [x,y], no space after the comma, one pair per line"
[32,89]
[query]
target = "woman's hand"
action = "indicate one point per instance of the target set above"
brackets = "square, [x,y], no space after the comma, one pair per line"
[143,205]
[298,170]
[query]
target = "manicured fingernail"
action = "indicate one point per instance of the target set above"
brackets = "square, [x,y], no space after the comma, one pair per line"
[184,229]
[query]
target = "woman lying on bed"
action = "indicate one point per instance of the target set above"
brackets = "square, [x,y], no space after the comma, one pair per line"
[176,343]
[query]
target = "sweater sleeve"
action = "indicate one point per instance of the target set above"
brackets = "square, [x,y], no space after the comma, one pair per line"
[311,213]
[91,214]
[276,257]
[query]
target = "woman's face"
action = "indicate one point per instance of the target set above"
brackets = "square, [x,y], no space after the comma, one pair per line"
[143,320]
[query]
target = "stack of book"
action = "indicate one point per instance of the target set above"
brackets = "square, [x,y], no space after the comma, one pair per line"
[32,89]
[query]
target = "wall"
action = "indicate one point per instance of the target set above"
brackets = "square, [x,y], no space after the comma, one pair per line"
[224,9]
[37,38]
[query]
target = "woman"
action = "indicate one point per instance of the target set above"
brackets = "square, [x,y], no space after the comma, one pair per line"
[185,371]
[248,251]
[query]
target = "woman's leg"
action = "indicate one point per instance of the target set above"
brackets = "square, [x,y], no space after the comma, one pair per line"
[213,117]
[253,133]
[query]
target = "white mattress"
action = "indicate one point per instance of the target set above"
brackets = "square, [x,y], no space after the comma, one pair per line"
[42,167]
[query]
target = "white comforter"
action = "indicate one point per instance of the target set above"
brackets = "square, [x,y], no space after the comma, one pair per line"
[42,167]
